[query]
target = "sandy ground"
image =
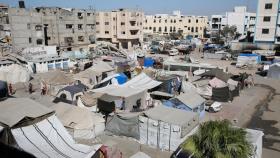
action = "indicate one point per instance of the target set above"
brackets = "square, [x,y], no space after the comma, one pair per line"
[257,108]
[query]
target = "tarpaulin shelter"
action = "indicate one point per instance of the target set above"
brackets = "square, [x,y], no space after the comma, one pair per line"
[70,94]
[188,101]
[166,128]
[55,80]
[116,79]
[94,74]
[4,93]
[132,92]
[248,59]
[14,74]
[124,124]
[81,123]
[170,84]
[89,101]
[149,62]
[36,130]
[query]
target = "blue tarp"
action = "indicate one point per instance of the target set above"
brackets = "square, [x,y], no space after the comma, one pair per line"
[258,57]
[148,62]
[122,78]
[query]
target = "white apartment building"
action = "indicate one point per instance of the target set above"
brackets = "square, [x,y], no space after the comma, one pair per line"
[165,24]
[243,20]
[122,27]
[267,23]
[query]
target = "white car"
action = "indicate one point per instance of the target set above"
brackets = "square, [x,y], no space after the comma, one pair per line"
[211,106]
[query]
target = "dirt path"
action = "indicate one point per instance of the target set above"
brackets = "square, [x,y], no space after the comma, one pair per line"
[268,126]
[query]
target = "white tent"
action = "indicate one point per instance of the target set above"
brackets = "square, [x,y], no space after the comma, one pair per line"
[166,128]
[132,90]
[14,74]
[34,129]
[82,123]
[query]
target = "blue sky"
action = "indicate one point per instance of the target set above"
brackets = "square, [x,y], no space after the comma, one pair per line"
[190,7]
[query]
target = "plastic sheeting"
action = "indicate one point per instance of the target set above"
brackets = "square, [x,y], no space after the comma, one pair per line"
[14,74]
[124,125]
[49,138]
[274,71]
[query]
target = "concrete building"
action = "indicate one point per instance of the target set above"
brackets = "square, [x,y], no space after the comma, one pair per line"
[267,23]
[164,24]
[122,27]
[66,28]
[243,20]
[4,23]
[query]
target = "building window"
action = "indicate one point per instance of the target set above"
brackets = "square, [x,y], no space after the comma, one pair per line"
[174,21]
[171,21]
[48,38]
[268,6]
[106,32]
[159,29]
[159,21]
[165,20]
[88,14]
[122,23]
[39,41]
[97,23]
[81,38]
[278,39]
[190,21]
[38,27]
[265,31]
[196,20]
[28,26]
[266,19]
[123,32]
[155,21]
[180,20]
[174,29]
[80,15]
[69,26]
[97,31]
[165,29]
[150,28]
[189,28]
[192,29]
[170,30]
[106,23]
[114,19]
[30,40]
[154,29]
[123,14]
[80,26]
[196,29]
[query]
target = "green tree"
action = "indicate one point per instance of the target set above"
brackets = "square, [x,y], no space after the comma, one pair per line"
[218,139]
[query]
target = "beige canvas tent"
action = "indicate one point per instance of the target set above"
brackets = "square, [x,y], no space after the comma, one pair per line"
[81,123]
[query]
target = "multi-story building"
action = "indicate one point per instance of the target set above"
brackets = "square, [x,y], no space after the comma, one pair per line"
[268,23]
[243,20]
[122,27]
[4,23]
[165,24]
[66,28]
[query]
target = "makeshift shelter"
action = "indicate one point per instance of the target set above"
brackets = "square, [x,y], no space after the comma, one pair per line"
[149,62]
[132,94]
[218,73]
[93,75]
[116,79]
[35,129]
[124,124]
[55,80]
[166,128]
[81,123]
[170,84]
[14,74]
[188,101]
[70,94]
[274,71]
[89,101]
[4,93]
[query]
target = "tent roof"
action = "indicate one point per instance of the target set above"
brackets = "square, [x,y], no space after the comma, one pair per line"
[90,99]
[76,117]
[219,73]
[142,81]
[135,86]
[73,89]
[56,77]
[170,115]
[16,109]
[95,70]
[191,99]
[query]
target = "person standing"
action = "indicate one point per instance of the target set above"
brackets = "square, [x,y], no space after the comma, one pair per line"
[30,88]
[10,89]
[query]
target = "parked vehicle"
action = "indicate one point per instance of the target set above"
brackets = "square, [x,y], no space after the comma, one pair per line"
[212,106]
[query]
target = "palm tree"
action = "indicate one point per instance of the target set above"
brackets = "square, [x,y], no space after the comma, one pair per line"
[218,139]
